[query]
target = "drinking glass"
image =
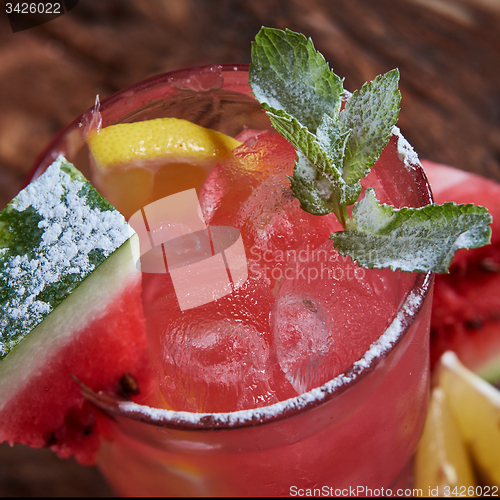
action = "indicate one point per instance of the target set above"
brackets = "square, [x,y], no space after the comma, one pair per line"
[354,435]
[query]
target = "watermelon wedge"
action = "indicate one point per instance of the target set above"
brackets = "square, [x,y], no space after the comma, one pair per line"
[70,306]
[466,306]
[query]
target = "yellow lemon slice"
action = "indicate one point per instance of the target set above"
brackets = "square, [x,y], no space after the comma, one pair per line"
[442,463]
[475,406]
[153,139]
[137,163]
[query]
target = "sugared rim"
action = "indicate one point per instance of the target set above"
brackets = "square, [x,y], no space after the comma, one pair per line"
[384,345]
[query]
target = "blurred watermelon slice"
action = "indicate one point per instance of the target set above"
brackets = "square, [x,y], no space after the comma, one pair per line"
[466,307]
[70,304]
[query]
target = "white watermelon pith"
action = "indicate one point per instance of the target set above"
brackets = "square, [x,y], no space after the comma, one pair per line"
[70,303]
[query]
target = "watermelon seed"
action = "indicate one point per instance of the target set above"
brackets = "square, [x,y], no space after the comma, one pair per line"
[128,386]
[474,324]
[88,430]
[52,440]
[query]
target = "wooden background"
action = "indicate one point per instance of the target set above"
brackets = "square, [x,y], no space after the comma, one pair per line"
[448,53]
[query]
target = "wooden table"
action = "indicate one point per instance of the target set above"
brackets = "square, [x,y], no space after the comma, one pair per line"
[448,53]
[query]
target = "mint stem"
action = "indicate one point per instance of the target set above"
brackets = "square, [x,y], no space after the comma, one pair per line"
[344,216]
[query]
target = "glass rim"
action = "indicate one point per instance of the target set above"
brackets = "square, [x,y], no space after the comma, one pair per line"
[401,322]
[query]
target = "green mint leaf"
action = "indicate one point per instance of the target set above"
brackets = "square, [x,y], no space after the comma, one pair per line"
[411,239]
[333,140]
[288,73]
[312,188]
[334,143]
[369,115]
[303,140]
[338,194]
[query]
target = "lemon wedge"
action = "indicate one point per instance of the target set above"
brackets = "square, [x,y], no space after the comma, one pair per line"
[475,406]
[441,462]
[137,163]
[152,139]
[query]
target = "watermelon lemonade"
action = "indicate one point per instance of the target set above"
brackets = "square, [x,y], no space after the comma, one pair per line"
[309,373]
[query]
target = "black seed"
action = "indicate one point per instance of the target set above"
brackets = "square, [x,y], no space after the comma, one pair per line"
[128,386]
[52,440]
[88,430]
[310,305]
[474,323]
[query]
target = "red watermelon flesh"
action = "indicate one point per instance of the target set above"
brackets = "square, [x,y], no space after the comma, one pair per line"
[466,307]
[49,410]
[70,305]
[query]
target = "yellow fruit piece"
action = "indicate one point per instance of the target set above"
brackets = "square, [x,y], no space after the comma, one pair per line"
[138,163]
[154,139]
[475,406]
[441,461]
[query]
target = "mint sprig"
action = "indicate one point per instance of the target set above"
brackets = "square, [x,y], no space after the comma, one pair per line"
[285,76]
[411,239]
[337,148]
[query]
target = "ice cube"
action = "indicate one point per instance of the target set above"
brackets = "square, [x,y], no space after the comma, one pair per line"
[232,182]
[251,192]
[217,356]
[215,365]
[328,312]
[304,340]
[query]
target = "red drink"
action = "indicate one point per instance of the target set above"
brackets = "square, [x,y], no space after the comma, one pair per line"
[364,363]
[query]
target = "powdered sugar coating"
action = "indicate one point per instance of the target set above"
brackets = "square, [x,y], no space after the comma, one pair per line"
[405,151]
[76,230]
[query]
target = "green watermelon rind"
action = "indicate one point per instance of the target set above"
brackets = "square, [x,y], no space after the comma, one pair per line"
[27,246]
[88,302]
